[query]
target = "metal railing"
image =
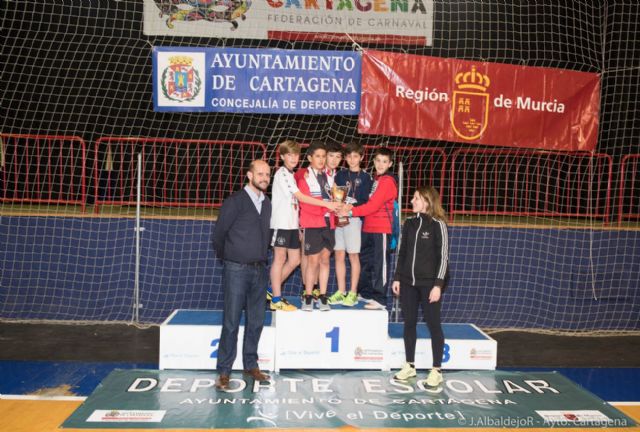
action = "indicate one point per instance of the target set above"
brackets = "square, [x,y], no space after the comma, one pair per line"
[43,169]
[175,172]
[421,166]
[530,183]
[51,169]
[629,188]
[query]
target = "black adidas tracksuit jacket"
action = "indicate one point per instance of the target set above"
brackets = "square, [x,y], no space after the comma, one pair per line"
[424,253]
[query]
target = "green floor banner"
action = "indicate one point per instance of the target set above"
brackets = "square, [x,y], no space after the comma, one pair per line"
[330,399]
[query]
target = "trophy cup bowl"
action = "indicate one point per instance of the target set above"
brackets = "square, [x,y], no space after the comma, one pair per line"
[339,194]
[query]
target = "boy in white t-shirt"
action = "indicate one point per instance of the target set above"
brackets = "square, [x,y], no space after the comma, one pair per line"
[285,223]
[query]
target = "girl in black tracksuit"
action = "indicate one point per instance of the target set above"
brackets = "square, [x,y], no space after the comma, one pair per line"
[420,277]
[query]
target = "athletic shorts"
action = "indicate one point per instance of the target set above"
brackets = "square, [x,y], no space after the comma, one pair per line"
[289,239]
[349,237]
[316,239]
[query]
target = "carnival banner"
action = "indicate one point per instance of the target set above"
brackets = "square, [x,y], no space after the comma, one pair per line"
[256,81]
[371,21]
[478,102]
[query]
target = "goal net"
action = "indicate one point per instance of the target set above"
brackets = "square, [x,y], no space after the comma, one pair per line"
[539,240]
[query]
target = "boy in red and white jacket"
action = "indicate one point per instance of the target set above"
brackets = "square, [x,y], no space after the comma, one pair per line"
[378,217]
[333,159]
[318,227]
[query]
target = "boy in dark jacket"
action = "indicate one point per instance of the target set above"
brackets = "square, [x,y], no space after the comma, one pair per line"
[349,238]
[378,217]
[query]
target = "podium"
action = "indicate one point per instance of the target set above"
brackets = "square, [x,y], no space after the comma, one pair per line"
[342,338]
[189,340]
[465,347]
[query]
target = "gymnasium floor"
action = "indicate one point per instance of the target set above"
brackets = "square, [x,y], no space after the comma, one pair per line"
[47,370]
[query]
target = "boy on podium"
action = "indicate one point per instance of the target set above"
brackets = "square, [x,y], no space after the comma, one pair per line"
[285,225]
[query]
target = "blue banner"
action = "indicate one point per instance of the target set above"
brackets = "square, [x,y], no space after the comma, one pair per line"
[265,81]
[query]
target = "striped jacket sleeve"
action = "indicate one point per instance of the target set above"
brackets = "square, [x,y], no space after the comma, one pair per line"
[443,246]
[402,253]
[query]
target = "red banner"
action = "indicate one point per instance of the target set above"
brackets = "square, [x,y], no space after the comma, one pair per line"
[478,102]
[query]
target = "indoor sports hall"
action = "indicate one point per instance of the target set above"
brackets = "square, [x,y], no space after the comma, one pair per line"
[125,125]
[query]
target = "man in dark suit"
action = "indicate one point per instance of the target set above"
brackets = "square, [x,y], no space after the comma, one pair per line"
[241,239]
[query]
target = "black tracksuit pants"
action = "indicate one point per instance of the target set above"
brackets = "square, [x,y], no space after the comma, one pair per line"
[410,297]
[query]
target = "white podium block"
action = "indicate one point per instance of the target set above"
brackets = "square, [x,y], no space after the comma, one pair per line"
[466,347]
[189,340]
[342,338]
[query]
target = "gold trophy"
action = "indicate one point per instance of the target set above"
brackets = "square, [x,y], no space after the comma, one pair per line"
[339,194]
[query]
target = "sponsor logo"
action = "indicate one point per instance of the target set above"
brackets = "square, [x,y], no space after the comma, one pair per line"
[479,354]
[222,11]
[424,235]
[126,416]
[367,355]
[180,355]
[470,107]
[301,352]
[180,80]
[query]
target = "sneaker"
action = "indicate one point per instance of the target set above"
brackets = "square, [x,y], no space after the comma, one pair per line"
[269,294]
[323,303]
[283,299]
[406,372]
[307,304]
[372,304]
[282,305]
[351,299]
[336,298]
[434,378]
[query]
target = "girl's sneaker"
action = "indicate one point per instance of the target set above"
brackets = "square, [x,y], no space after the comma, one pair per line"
[434,378]
[406,372]
[351,299]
